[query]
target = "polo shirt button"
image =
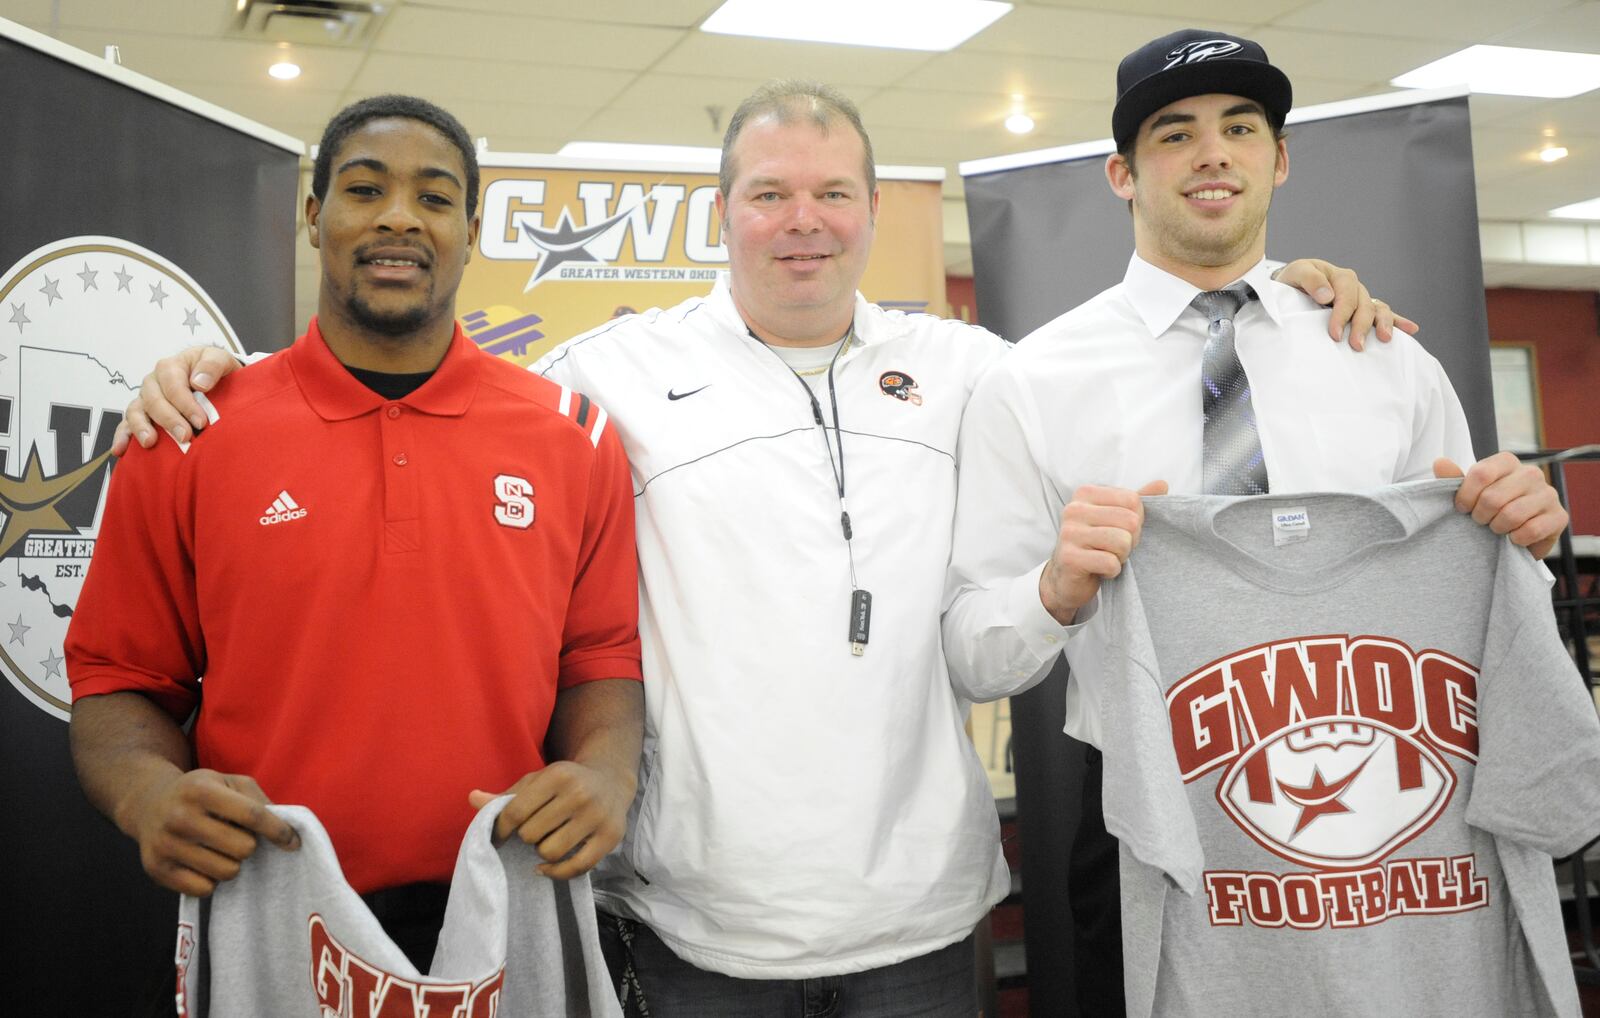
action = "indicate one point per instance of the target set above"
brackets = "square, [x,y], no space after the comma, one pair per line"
[394,412]
[399,459]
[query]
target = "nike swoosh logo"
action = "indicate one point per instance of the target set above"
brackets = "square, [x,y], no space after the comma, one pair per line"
[680,395]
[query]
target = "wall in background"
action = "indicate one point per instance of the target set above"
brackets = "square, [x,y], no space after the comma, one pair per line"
[1564,328]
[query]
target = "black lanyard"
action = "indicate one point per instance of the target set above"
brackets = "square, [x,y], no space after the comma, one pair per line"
[860,600]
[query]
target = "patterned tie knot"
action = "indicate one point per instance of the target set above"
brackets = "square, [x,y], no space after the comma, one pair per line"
[1222,305]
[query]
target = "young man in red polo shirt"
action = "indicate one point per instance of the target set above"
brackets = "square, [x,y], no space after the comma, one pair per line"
[404,567]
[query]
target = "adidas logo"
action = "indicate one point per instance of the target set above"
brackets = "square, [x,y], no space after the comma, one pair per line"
[283,509]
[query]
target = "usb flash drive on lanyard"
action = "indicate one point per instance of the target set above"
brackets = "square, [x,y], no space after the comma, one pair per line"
[860,600]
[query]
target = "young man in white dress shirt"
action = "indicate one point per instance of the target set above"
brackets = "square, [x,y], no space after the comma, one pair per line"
[1107,399]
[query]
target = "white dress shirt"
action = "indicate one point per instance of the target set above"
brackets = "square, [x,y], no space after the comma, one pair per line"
[1109,393]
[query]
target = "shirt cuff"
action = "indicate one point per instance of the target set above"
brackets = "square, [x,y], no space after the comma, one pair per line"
[1039,630]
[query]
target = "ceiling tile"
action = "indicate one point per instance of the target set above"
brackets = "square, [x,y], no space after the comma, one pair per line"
[1252,12]
[1567,118]
[493,118]
[1005,75]
[1071,33]
[1469,20]
[659,126]
[445,79]
[702,54]
[655,90]
[1347,57]
[429,30]
[971,111]
[1575,27]
[662,13]
[1536,190]
[279,109]
[1505,153]
[163,17]
[222,60]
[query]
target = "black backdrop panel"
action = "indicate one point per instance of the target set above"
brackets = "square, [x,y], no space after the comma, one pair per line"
[89,156]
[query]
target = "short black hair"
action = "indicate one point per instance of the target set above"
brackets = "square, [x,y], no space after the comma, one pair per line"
[380,107]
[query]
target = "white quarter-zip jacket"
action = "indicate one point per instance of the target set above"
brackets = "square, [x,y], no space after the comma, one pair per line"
[802,811]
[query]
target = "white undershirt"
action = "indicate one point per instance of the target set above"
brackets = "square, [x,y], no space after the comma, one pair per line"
[809,362]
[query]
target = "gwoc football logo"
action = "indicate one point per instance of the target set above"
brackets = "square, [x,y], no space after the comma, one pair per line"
[81,322]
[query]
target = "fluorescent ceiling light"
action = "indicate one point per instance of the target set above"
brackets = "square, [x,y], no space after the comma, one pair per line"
[1553,153]
[628,150]
[891,24]
[1509,70]
[1579,210]
[284,70]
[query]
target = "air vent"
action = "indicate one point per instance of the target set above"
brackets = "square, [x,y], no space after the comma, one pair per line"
[309,22]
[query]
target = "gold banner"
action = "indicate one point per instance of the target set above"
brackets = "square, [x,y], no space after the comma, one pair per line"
[564,250]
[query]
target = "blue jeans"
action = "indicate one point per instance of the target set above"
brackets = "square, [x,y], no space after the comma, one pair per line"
[658,984]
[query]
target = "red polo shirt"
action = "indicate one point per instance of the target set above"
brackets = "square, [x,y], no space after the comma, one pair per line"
[383,596]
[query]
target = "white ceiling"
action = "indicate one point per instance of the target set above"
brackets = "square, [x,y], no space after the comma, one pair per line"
[532,75]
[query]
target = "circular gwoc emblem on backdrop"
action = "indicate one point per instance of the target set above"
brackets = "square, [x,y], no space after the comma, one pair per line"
[81,322]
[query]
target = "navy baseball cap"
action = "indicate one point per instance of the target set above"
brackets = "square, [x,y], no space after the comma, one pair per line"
[1195,62]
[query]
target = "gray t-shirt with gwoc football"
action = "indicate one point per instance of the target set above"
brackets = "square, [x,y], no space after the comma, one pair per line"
[288,937]
[1342,742]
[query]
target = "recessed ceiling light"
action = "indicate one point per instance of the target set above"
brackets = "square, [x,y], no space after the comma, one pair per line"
[284,70]
[1579,210]
[1551,153]
[1510,70]
[628,150]
[891,24]
[1019,123]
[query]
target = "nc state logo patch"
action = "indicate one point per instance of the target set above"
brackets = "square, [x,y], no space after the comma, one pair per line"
[514,498]
[901,386]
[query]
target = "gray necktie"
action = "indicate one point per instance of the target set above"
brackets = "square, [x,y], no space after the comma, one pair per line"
[1232,447]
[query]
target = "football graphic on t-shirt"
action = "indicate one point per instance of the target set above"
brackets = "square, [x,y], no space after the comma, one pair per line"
[1336,792]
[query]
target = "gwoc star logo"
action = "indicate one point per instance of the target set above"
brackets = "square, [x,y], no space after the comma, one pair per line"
[83,319]
[570,243]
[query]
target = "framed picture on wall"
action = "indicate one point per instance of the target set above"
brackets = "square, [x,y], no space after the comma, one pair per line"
[1514,370]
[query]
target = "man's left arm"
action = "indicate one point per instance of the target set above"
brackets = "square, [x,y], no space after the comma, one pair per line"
[575,809]
[1500,491]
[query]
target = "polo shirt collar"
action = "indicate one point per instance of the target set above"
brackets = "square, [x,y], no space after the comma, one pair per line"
[868,326]
[336,395]
[1159,297]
